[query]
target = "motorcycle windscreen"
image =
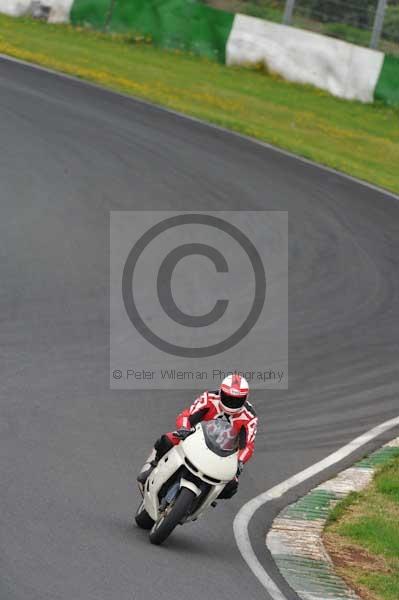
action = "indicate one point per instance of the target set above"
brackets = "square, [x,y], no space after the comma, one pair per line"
[220,437]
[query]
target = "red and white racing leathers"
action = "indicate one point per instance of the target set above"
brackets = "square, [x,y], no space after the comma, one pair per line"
[207,407]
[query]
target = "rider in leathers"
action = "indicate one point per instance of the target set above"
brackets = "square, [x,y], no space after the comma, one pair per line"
[229,402]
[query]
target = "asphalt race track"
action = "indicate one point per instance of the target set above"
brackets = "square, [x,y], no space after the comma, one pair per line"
[69,446]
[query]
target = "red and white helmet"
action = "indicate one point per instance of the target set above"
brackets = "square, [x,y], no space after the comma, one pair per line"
[233,393]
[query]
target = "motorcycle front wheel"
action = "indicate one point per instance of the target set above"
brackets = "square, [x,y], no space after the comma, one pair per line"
[166,524]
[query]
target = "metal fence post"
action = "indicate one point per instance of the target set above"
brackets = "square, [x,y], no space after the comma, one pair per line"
[288,11]
[378,23]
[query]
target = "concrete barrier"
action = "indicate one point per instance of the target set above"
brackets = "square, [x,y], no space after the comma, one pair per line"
[343,69]
[59,9]
[388,83]
[15,8]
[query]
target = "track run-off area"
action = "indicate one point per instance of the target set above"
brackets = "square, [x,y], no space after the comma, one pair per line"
[69,446]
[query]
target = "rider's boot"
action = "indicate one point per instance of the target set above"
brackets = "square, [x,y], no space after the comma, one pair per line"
[148,467]
[161,447]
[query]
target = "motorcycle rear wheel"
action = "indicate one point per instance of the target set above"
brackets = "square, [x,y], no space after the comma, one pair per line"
[166,524]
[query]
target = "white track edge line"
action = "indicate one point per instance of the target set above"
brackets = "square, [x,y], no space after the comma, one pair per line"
[302,159]
[247,511]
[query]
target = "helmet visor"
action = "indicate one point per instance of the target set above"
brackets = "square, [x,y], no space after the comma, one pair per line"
[232,401]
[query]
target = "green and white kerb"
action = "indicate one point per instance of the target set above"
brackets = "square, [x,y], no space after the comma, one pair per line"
[295,539]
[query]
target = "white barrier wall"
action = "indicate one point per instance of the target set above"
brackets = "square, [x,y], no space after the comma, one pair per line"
[343,69]
[59,12]
[15,8]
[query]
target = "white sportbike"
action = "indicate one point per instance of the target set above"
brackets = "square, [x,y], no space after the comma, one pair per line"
[188,479]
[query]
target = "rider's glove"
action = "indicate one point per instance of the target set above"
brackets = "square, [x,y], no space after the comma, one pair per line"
[239,468]
[183,433]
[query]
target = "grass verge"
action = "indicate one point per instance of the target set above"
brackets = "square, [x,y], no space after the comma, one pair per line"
[362,140]
[362,537]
